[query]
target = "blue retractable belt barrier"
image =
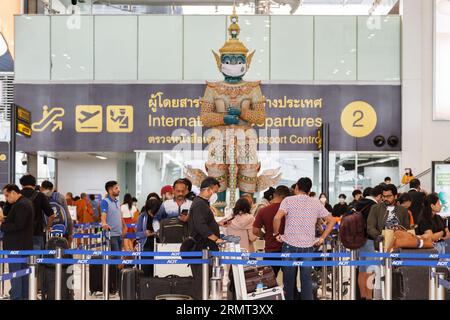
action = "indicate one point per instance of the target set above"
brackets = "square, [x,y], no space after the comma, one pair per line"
[282,255]
[404,255]
[27,252]
[86,236]
[119,261]
[13,260]
[300,263]
[17,274]
[135,254]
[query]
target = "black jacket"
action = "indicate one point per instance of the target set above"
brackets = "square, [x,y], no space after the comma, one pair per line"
[202,223]
[41,206]
[18,226]
[417,199]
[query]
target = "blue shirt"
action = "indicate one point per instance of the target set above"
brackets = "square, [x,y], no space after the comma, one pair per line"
[113,215]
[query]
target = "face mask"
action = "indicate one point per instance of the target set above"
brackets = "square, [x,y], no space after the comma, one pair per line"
[233,70]
[48,193]
[323,200]
[213,198]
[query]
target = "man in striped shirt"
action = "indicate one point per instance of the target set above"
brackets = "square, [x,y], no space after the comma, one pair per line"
[301,213]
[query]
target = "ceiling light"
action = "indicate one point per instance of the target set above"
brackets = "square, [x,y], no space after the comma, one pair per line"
[101,157]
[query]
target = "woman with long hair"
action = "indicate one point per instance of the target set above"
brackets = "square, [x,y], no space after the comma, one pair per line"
[324,200]
[128,209]
[241,224]
[433,225]
[145,234]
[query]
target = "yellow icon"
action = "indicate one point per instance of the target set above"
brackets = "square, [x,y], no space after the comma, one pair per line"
[359,119]
[50,117]
[89,118]
[119,119]
[24,129]
[2,157]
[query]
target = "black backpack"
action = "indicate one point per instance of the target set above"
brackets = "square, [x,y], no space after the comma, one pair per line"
[173,230]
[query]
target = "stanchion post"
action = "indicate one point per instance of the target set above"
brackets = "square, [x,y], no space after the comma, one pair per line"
[334,275]
[205,275]
[353,276]
[432,284]
[324,273]
[216,280]
[83,277]
[440,289]
[32,280]
[340,274]
[58,276]
[388,279]
[106,271]
[2,271]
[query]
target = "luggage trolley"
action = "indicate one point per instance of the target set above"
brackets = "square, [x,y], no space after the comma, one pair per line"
[276,293]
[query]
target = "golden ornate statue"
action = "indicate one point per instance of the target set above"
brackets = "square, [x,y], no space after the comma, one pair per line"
[231,107]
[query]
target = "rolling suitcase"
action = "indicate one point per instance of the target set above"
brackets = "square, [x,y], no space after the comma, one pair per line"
[48,272]
[129,284]
[152,287]
[411,283]
[164,270]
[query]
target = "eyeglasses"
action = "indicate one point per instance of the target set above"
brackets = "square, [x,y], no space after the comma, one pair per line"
[388,196]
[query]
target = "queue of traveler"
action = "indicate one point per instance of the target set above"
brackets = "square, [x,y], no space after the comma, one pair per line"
[286,218]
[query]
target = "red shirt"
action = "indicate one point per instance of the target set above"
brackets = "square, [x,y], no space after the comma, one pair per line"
[264,218]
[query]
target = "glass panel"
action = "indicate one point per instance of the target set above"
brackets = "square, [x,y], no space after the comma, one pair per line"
[373,168]
[335,48]
[46,170]
[292,48]
[166,34]
[115,47]
[32,47]
[255,33]
[72,48]
[201,35]
[379,48]
[343,176]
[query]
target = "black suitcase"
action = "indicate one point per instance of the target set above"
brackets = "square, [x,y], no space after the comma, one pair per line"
[48,273]
[411,283]
[96,278]
[150,288]
[173,230]
[129,284]
[48,283]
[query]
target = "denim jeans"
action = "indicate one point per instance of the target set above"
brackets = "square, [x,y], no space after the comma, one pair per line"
[116,244]
[289,274]
[19,286]
[38,243]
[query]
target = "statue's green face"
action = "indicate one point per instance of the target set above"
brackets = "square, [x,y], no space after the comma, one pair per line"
[234,67]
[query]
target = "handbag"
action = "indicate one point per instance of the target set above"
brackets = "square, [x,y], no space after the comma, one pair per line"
[388,235]
[257,275]
[403,239]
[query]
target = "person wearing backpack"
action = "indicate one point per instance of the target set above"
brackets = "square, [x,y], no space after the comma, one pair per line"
[372,196]
[59,205]
[41,208]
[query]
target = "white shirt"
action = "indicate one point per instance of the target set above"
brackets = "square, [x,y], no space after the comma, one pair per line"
[126,212]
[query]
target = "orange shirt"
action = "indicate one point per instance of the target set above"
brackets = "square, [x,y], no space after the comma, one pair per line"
[85,213]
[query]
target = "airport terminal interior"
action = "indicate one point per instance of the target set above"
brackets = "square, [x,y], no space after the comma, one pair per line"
[224,150]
